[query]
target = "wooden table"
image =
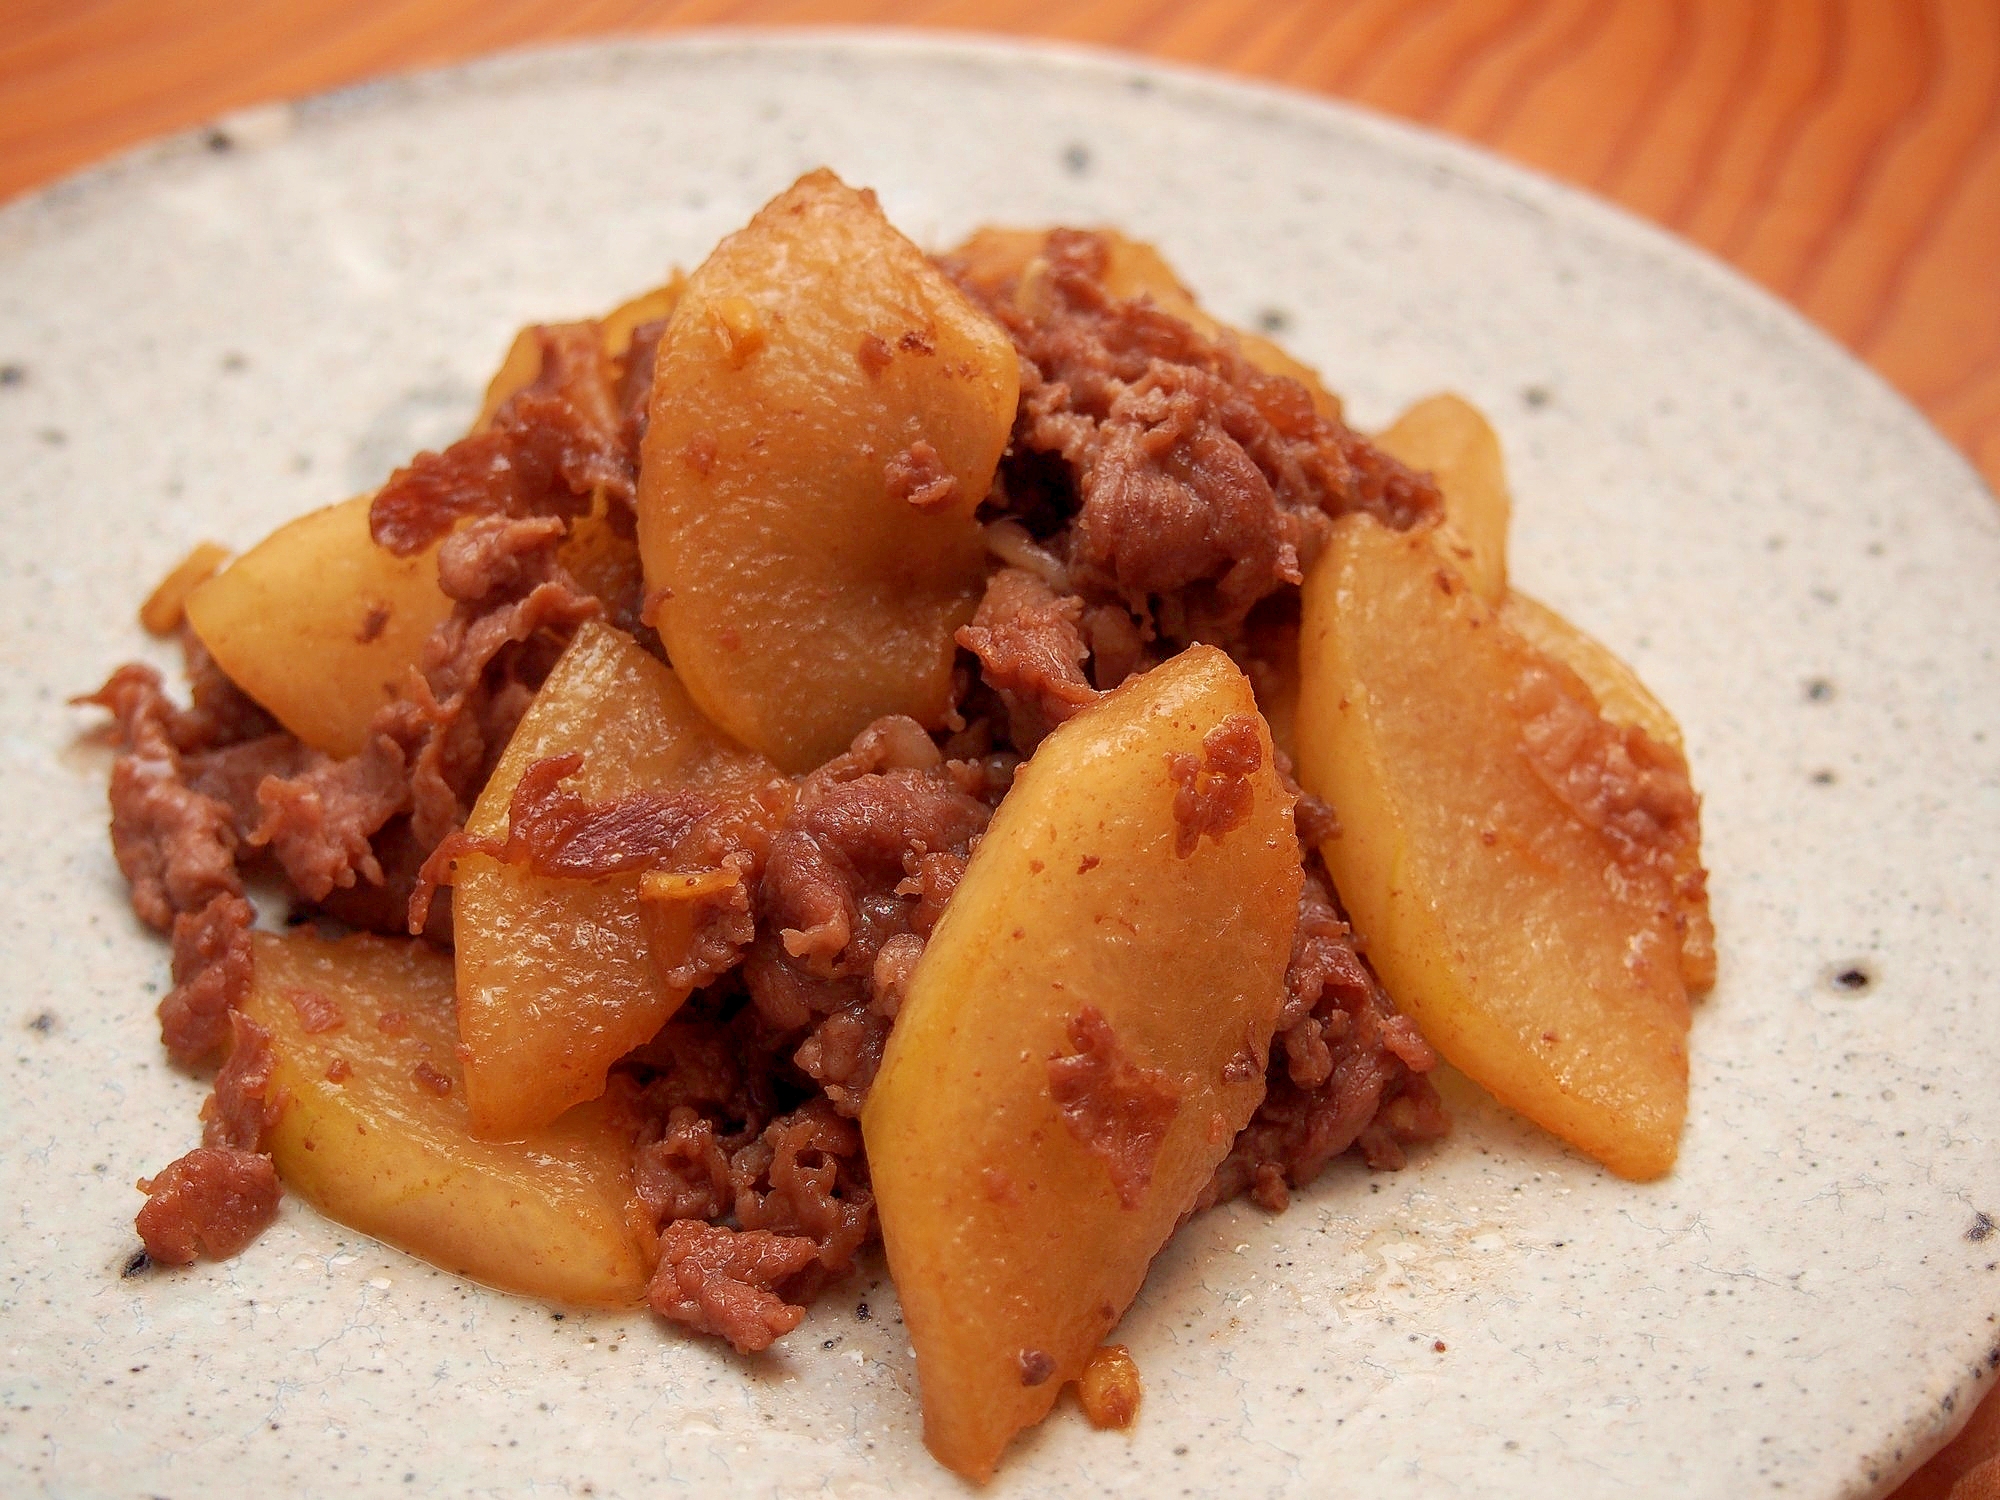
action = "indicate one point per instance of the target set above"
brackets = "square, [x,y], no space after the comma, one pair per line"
[1845,153]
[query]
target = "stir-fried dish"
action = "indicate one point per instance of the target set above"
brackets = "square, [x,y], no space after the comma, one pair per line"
[966,750]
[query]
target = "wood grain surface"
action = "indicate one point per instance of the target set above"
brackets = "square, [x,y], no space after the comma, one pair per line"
[1845,153]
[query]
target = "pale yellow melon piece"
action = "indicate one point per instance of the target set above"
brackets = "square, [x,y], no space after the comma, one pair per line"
[374,1133]
[166,607]
[814,358]
[320,625]
[557,978]
[1450,438]
[1533,955]
[1270,654]
[1012,1245]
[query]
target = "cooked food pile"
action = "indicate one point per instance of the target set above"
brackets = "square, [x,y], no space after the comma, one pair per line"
[855,744]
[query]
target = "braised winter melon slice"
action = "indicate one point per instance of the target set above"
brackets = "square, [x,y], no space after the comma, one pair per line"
[1516,864]
[374,1130]
[319,624]
[1081,1041]
[827,413]
[1450,438]
[558,978]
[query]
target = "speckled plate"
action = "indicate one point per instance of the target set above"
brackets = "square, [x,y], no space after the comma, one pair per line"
[216,333]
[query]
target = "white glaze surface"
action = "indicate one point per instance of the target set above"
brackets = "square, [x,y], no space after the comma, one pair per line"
[209,341]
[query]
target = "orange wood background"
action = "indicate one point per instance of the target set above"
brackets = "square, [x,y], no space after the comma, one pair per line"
[1845,153]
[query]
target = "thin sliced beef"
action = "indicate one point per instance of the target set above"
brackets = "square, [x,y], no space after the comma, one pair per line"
[243,1107]
[213,1202]
[722,1281]
[1116,1108]
[550,447]
[1345,1069]
[175,845]
[871,852]
[1197,484]
[212,970]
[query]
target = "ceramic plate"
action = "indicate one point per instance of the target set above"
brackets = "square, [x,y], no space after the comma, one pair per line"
[214,334]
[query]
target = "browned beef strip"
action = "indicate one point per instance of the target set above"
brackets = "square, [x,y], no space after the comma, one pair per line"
[635,381]
[213,1202]
[549,448]
[243,1108]
[803,1176]
[177,848]
[1031,651]
[720,1281]
[1345,1070]
[1212,791]
[492,555]
[319,822]
[175,845]
[232,774]
[1194,478]
[1117,1109]
[871,851]
[716,1150]
[212,972]
[385,908]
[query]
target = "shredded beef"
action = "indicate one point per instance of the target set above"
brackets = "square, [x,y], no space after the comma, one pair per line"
[918,477]
[321,822]
[317,1011]
[1118,1109]
[243,1107]
[212,971]
[213,1202]
[175,845]
[385,908]
[234,774]
[780,1200]
[870,852]
[1634,791]
[1345,1070]
[550,446]
[1030,652]
[720,1281]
